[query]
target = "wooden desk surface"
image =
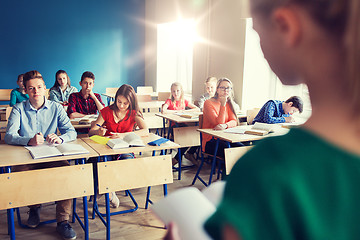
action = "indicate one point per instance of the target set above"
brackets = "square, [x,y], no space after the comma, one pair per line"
[151,104]
[234,137]
[176,118]
[104,150]
[12,155]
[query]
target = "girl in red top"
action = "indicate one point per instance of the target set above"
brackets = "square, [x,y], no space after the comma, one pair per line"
[219,114]
[119,118]
[177,103]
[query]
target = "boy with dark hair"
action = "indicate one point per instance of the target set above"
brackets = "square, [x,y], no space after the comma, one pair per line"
[86,101]
[275,111]
[29,124]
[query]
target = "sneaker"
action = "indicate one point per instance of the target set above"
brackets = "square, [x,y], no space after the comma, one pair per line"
[114,201]
[34,217]
[191,158]
[65,230]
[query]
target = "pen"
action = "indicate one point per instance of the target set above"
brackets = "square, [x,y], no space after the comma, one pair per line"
[105,128]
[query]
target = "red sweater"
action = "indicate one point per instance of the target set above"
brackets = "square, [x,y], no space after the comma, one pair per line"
[214,114]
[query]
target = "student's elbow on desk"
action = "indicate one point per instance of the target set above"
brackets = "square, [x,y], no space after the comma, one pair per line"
[16,140]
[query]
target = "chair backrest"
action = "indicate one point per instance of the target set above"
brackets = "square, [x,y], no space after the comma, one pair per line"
[251,114]
[201,118]
[143,98]
[232,155]
[35,187]
[8,111]
[153,121]
[144,90]
[187,136]
[111,91]
[134,173]
[5,94]
[163,96]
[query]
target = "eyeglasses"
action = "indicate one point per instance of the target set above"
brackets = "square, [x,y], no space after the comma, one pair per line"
[225,88]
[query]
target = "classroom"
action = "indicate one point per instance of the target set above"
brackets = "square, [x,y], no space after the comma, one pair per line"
[147,44]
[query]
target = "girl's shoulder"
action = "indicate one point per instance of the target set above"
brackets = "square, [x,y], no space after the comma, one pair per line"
[106,110]
[73,89]
[54,89]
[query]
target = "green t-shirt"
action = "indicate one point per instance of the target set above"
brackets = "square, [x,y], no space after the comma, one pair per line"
[295,186]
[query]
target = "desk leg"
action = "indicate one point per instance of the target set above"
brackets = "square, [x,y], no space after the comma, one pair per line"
[107,204]
[165,189]
[169,130]
[179,163]
[147,198]
[214,160]
[10,216]
[84,225]
[164,129]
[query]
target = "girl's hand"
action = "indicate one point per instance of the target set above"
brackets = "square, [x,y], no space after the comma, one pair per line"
[117,135]
[102,131]
[223,100]
[221,126]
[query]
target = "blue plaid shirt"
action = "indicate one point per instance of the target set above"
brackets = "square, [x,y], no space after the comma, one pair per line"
[271,112]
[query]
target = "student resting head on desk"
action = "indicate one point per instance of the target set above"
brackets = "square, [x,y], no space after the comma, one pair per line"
[29,124]
[305,184]
[62,88]
[178,103]
[86,101]
[275,111]
[18,95]
[219,113]
[121,117]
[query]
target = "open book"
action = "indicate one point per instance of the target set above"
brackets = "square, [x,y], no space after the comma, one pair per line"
[87,119]
[189,208]
[53,150]
[259,129]
[130,140]
[189,115]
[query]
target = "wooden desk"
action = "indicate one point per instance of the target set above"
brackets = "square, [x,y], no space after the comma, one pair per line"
[242,116]
[12,155]
[2,129]
[233,137]
[177,120]
[88,118]
[123,172]
[32,187]
[3,112]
